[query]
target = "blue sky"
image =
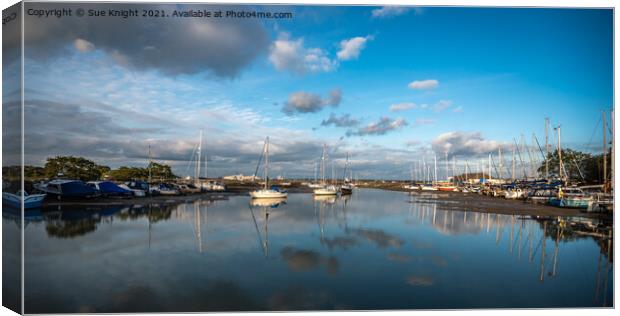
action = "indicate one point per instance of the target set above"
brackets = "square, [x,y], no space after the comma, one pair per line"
[467,80]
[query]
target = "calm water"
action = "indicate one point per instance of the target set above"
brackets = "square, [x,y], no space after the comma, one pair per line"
[374,250]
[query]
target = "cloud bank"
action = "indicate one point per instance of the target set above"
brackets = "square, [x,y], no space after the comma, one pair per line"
[178,46]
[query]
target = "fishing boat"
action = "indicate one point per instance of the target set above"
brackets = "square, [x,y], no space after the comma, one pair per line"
[30,201]
[325,189]
[266,192]
[108,188]
[61,188]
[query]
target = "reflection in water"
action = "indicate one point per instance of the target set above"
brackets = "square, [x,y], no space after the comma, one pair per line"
[375,249]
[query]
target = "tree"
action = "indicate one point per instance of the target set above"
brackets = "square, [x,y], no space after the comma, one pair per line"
[129,173]
[158,171]
[161,171]
[579,166]
[74,168]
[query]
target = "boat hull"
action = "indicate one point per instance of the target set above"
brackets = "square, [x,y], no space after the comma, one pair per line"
[30,201]
[325,191]
[570,202]
[268,194]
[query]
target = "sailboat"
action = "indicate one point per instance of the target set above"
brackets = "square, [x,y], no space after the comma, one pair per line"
[325,189]
[207,185]
[346,187]
[266,192]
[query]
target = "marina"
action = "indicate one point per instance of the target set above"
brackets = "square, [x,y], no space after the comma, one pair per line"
[316,252]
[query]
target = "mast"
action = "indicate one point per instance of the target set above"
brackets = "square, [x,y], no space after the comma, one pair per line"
[446,166]
[199,158]
[514,163]
[315,172]
[436,167]
[604,152]
[489,166]
[560,151]
[323,165]
[501,165]
[266,162]
[547,148]
[454,169]
[150,164]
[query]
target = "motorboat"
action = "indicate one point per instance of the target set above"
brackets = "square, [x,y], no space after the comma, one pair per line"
[139,188]
[212,186]
[61,188]
[163,189]
[109,188]
[187,188]
[30,201]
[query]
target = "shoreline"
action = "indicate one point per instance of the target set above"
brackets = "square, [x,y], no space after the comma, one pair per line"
[469,202]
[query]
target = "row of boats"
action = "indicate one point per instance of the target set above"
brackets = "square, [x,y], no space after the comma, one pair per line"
[555,193]
[76,189]
[319,189]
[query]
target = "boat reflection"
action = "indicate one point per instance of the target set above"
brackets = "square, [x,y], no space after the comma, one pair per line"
[264,205]
[268,202]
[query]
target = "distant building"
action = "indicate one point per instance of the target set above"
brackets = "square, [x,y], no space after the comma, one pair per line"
[240,177]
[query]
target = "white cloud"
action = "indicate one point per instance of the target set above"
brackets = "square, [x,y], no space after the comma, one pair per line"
[463,143]
[458,109]
[291,55]
[351,48]
[389,11]
[83,45]
[442,105]
[423,84]
[402,107]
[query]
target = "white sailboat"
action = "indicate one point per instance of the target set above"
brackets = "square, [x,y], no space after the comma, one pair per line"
[325,189]
[266,192]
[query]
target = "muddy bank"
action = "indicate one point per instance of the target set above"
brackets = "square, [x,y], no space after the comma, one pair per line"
[488,204]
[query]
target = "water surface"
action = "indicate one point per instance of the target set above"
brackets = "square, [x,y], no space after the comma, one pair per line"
[373,250]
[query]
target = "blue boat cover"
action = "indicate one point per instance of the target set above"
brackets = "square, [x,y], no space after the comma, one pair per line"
[111,187]
[76,189]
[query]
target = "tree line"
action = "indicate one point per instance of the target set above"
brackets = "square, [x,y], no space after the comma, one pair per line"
[87,170]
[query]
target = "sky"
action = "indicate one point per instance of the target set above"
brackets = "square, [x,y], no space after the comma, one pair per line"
[389,86]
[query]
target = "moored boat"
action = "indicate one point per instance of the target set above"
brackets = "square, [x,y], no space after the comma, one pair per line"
[571,197]
[30,201]
[61,188]
[265,193]
[109,188]
[325,189]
